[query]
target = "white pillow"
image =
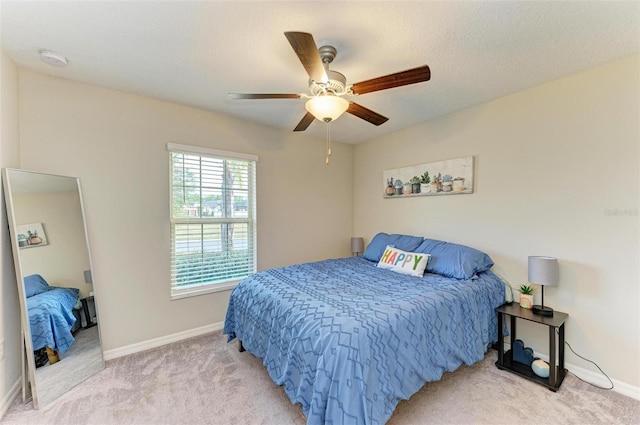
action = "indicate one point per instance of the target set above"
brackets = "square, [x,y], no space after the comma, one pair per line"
[397,260]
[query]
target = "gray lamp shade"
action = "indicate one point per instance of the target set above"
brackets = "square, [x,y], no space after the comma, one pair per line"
[357,245]
[543,270]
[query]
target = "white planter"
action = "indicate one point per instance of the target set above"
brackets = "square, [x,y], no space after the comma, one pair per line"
[425,188]
[526,301]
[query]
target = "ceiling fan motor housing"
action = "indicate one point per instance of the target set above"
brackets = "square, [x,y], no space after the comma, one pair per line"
[336,84]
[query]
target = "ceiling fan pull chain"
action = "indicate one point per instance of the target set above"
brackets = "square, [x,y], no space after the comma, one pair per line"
[328,146]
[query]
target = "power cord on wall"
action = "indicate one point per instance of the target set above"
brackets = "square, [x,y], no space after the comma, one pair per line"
[592,362]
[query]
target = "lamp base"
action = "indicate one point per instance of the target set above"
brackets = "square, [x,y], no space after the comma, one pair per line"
[542,310]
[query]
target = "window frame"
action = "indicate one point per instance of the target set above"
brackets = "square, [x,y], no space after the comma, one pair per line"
[251,220]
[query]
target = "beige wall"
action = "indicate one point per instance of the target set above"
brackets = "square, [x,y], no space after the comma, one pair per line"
[116,144]
[9,306]
[557,173]
[64,259]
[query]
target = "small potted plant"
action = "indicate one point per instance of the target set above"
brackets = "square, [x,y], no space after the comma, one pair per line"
[407,189]
[458,184]
[389,191]
[415,184]
[397,185]
[425,179]
[526,296]
[447,183]
[436,183]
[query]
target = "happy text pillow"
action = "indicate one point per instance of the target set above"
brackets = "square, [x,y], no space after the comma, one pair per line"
[404,262]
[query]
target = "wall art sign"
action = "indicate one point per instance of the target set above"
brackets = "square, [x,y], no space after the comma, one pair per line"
[31,235]
[448,177]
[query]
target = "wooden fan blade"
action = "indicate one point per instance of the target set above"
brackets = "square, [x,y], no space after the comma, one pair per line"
[264,96]
[410,76]
[366,114]
[305,122]
[305,47]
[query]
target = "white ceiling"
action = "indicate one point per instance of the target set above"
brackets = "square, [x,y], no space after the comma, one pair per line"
[194,53]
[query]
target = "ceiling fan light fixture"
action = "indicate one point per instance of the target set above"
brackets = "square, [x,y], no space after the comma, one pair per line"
[327,108]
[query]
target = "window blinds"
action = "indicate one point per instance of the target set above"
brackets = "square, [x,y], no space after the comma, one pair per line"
[213,218]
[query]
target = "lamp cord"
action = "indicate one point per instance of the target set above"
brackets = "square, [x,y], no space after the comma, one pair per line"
[592,362]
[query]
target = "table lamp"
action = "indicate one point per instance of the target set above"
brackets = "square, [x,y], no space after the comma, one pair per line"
[543,271]
[357,245]
[88,278]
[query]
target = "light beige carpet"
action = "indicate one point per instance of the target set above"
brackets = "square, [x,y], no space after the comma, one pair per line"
[204,380]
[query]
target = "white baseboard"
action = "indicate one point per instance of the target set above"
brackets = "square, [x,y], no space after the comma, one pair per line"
[158,342]
[10,397]
[595,378]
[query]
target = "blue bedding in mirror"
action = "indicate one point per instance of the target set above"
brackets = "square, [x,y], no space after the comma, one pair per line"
[52,319]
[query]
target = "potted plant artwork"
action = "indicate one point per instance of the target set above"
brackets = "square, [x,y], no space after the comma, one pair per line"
[526,296]
[415,184]
[425,187]
[447,183]
[458,184]
[407,189]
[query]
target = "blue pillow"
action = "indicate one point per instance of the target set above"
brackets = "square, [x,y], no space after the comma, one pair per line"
[34,285]
[379,243]
[453,260]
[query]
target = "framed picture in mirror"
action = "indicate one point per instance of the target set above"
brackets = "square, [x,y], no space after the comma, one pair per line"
[31,235]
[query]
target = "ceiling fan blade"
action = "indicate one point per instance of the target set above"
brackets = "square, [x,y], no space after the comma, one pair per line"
[264,96]
[305,47]
[305,122]
[366,114]
[410,76]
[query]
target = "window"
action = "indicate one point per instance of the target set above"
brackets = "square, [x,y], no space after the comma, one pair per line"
[213,219]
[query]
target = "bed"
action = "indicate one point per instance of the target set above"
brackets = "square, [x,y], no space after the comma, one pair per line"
[349,339]
[51,316]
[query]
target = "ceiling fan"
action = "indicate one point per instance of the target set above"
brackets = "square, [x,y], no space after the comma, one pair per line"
[328,89]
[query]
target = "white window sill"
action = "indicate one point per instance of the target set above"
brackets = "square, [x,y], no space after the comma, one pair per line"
[202,290]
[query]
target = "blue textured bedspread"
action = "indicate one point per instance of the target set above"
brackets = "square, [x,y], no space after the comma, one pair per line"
[349,340]
[51,318]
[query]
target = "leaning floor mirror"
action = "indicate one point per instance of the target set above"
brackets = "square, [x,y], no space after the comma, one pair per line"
[55,284]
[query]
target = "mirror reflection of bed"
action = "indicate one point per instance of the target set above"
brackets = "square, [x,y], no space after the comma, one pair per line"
[51,254]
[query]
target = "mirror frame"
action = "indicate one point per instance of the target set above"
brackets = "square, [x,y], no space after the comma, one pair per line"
[27,345]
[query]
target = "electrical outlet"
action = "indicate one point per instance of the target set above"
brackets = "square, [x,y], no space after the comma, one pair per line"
[1,348]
